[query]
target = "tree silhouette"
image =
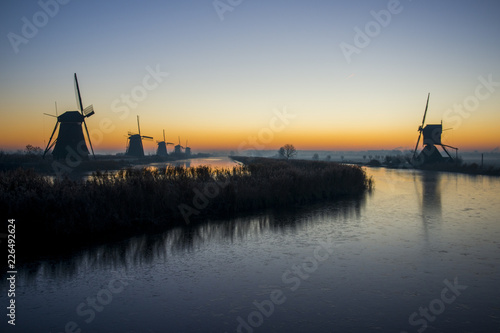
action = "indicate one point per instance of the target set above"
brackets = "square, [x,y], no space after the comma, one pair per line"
[32,150]
[287,151]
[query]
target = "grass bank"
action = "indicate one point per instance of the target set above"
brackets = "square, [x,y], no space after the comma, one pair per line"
[66,212]
[404,162]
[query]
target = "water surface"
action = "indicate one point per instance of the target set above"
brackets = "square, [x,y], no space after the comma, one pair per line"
[381,263]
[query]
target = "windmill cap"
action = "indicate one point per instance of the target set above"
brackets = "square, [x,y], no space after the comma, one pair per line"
[71,117]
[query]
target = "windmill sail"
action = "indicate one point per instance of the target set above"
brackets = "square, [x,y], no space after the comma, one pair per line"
[420,129]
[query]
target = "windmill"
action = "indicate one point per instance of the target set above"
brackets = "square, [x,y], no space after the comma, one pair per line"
[162,146]
[432,138]
[70,140]
[178,148]
[187,150]
[134,147]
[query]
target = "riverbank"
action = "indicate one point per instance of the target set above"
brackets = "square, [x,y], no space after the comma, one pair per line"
[75,168]
[462,168]
[61,213]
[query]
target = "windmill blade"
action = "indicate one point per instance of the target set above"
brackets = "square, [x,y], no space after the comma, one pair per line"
[426,107]
[51,115]
[421,128]
[79,97]
[88,111]
[170,143]
[147,137]
[88,136]
[53,144]
[416,146]
[56,109]
[138,126]
[48,144]
[163,135]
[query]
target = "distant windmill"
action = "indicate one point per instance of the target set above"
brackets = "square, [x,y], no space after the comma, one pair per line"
[178,148]
[187,150]
[162,146]
[134,147]
[70,141]
[432,138]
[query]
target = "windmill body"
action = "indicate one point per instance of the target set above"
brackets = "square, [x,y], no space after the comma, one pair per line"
[432,138]
[432,134]
[135,147]
[178,148]
[162,146]
[70,137]
[162,149]
[70,142]
[187,150]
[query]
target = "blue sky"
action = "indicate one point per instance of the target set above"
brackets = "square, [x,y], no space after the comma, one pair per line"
[227,76]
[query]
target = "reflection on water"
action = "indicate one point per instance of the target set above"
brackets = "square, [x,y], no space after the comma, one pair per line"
[148,248]
[214,162]
[431,196]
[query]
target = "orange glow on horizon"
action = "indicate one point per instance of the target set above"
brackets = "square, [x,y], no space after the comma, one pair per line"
[213,141]
[112,136]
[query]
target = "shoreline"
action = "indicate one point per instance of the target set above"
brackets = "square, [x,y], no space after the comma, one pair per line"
[472,169]
[51,167]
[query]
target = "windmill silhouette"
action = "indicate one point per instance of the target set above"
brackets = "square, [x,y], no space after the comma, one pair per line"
[135,147]
[432,138]
[162,146]
[70,140]
[178,148]
[187,149]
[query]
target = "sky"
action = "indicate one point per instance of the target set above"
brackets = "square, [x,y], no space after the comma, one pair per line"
[253,74]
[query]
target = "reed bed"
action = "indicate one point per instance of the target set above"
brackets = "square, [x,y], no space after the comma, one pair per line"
[135,200]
